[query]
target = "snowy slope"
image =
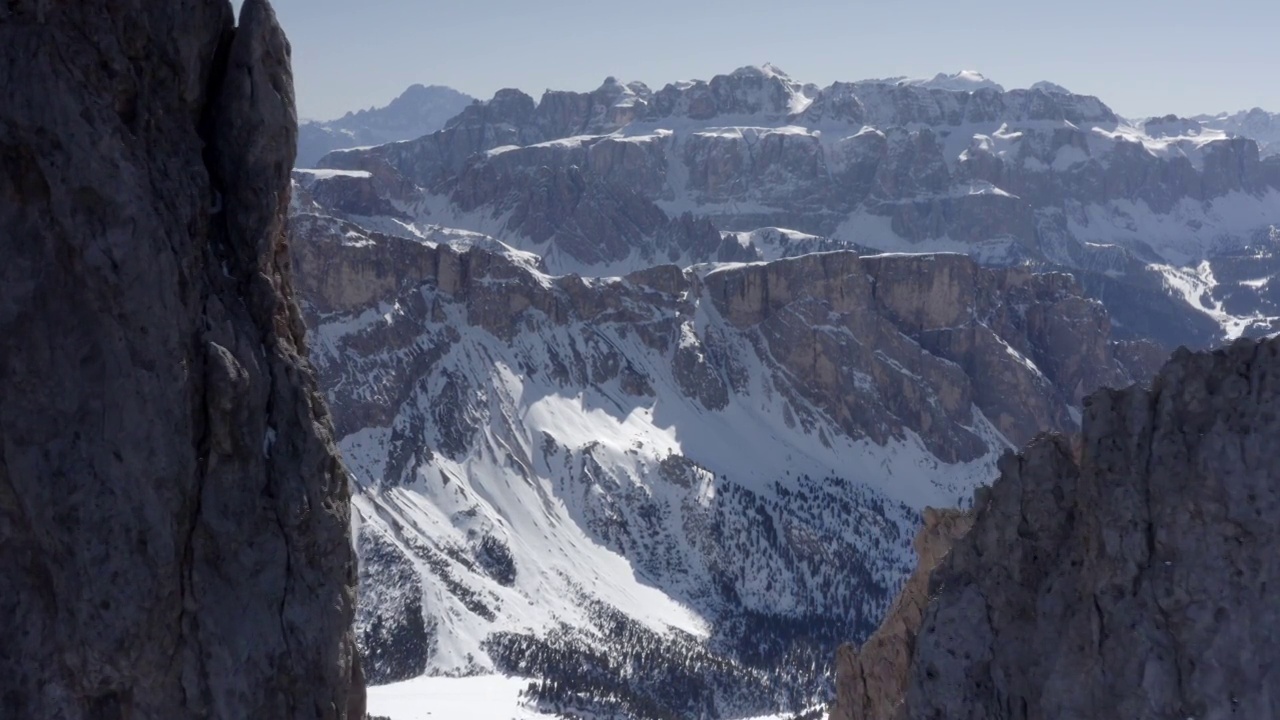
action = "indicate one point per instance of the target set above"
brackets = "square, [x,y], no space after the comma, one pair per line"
[602,508]
[627,486]
[596,460]
[963,81]
[489,697]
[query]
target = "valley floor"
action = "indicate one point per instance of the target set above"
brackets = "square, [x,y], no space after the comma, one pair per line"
[487,697]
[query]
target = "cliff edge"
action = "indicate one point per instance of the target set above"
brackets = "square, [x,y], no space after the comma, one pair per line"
[174,519]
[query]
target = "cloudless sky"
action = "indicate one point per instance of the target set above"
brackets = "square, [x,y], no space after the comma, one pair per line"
[1142,57]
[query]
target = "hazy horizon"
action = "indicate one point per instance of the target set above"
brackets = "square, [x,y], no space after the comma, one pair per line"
[351,56]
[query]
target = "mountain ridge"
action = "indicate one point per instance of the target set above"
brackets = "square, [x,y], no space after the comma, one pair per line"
[591,180]
[636,382]
[1255,123]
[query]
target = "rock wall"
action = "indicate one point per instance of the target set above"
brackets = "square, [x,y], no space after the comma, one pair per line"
[885,346]
[1021,346]
[1128,579]
[874,678]
[174,520]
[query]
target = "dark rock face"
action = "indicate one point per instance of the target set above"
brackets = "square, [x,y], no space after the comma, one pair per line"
[1126,578]
[873,680]
[174,520]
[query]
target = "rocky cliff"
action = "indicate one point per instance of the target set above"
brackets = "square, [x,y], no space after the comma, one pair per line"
[174,520]
[870,681]
[1128,577]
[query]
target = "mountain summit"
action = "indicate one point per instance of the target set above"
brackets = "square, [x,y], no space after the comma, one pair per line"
[419,110]
[963,81]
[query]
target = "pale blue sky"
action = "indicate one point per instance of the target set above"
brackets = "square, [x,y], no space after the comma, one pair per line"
[1143,57]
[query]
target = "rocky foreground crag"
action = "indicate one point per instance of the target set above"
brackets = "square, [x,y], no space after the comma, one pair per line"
[1126,578]
[174,520]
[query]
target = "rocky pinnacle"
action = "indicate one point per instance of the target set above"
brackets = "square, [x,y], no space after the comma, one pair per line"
[174,520]
[1130,576]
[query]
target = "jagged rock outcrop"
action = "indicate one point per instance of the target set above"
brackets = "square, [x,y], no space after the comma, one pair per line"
[174,520]
[883,345]
[1127,578]
[873,678]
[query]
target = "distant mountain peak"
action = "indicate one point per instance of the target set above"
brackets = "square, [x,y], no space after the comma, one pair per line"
[1256,123]
[417,95]
[419,110]
[1050,87]
[963,81]
[767,70]
[613,85]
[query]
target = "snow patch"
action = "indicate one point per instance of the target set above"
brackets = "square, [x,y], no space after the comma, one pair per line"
[963,81]
[488,697]
[325,173]
[1195,286]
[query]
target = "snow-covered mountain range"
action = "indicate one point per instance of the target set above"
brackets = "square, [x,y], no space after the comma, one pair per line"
[417,111]
[597,182]
[644,391]
[1257,124]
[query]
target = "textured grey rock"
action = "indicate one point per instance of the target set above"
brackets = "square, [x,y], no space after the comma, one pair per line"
[923,340]
[909,169]
[174,521]
[1129,577]
[872,679]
